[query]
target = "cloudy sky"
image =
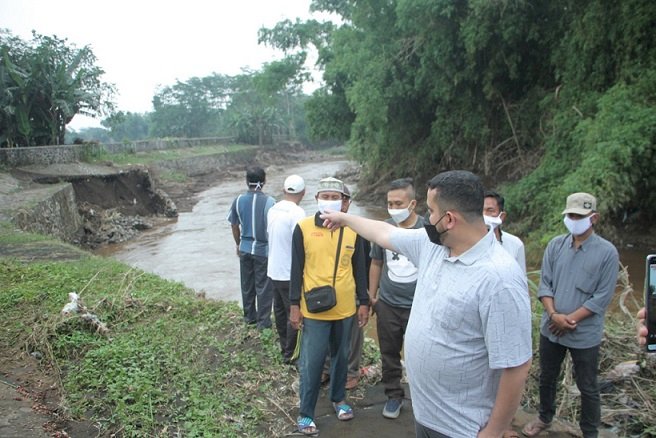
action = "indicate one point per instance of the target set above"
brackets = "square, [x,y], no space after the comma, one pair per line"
[143,44]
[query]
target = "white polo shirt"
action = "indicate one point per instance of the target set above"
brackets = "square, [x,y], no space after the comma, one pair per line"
[281,220]
[471,318]
[515,248]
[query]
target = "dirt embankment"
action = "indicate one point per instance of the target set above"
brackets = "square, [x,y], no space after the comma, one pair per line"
[91,205]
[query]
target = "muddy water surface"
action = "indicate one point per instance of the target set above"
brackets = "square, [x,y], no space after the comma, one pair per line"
[198,249]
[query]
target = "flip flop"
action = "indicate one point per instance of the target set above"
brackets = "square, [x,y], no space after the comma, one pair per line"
[306,426]
[343,411]
[535,427]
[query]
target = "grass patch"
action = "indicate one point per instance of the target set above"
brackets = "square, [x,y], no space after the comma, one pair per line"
[150,157]
[10,234]
[171,363]
[173,176]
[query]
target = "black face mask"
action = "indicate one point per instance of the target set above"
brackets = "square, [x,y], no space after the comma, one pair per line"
[433,235]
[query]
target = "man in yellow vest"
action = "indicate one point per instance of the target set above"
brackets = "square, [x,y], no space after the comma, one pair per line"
[323,259]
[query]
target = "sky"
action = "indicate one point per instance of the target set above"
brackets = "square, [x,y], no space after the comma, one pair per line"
[146,44]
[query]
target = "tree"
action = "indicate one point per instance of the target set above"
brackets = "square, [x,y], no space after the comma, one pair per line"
[193,108]
[127,126]
[549,96]
[46,82]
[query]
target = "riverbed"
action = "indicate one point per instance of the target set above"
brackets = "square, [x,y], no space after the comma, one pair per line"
[198,249]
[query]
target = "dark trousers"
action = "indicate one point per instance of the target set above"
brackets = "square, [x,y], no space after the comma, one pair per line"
[391,325]
[586,362]
[286,334]
[255,288]
[424,432]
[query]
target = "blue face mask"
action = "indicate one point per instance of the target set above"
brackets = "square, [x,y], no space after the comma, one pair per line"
[433,235]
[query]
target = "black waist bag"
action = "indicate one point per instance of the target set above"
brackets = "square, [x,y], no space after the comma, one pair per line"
[319,299]
[322,298]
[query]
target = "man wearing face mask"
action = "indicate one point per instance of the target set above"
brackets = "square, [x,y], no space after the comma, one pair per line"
[392,282]
[324,257]
[494,215]
[579,274]
[248,218]
[468,341]
[357,333]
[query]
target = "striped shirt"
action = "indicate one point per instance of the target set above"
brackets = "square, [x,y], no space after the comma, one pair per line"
[249,211]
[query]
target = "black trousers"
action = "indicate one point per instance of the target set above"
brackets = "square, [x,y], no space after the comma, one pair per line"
[586,363]
[391,323]
[286,334]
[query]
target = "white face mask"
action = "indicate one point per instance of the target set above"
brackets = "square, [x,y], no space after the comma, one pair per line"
[492,221]
[399,214]
[577,227]
[324,205]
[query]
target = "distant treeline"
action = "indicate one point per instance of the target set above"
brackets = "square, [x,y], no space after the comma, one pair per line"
[46,81]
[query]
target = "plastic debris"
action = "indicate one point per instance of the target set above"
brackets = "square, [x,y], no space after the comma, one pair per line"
[71,306]
[623,370]
[75,306]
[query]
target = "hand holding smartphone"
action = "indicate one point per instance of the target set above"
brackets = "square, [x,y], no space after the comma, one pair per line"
[650,303]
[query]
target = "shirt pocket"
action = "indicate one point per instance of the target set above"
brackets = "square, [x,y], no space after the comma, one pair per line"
[586,281]
[453,313]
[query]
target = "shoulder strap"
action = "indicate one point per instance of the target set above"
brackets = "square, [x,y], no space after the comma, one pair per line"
[339,247]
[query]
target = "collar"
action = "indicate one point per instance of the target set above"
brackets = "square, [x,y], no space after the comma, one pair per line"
[477,251]
[592,238]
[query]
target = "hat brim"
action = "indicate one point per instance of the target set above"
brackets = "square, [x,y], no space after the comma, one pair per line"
[332,190]
[580,211]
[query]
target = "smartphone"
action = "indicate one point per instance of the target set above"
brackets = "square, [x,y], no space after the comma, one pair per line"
[650,302]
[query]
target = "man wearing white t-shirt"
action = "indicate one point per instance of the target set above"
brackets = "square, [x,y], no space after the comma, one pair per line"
[281,221]
[468,342]
[494,214]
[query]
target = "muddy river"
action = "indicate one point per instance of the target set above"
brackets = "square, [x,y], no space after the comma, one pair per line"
[198,249]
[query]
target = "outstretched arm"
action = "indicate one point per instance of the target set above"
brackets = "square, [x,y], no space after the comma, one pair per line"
[374,231]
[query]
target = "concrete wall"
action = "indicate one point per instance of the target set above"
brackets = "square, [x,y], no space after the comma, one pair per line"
[54,214]
[45,155]
[202,165]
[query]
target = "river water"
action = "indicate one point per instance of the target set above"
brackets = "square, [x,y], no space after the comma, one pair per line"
[198,250]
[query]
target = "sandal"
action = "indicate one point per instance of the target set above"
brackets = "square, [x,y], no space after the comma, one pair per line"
[535,427]
[306,426]
[343,411]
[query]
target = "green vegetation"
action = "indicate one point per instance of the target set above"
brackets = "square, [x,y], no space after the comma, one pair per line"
[10,235]
[548,96]
[166,154]
[254,107]
[170,363]
[44,83]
